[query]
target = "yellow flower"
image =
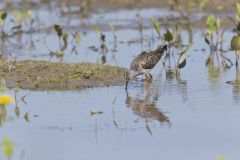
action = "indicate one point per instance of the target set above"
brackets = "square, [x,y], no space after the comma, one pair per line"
[6,99]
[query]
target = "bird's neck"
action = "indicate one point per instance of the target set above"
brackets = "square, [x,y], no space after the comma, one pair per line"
[159,52]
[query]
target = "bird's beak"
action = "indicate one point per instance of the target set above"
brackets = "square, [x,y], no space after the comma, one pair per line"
[126,84]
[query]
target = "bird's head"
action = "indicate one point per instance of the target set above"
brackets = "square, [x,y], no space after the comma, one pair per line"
[128,75]
[162,47]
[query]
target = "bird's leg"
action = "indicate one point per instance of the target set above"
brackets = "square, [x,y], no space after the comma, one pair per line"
[146,82]
[149,77]
[152,81]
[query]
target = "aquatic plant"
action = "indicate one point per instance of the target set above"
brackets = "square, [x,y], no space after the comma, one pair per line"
[182,60]
[156,26]
[61,35]
[3,16]
[236,19]
[103,47]
[22,18]
[214,38]
[235,46]
[170,38]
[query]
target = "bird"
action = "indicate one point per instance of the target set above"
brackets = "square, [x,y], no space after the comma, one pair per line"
[144,62]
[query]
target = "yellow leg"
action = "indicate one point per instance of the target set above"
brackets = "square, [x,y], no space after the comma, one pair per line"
[146,84]
[152,81]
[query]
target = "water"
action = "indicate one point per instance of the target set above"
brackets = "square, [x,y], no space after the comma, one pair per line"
[195,118]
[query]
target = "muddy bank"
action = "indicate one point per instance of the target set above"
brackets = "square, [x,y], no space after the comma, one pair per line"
[207,5]
[42,75]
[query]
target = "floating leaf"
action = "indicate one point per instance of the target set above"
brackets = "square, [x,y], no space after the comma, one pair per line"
[156,26]
[168,36]
[58,29]
[183,56]
[92,113]
[7,147]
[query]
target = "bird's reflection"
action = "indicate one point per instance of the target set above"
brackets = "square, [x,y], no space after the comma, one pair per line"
[236,93]
[182,88]
[145,108]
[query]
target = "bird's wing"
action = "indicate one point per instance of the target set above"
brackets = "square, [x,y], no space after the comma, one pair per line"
[138,60]
[148,62]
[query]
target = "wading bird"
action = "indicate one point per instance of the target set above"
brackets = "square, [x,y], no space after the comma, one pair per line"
[143,63]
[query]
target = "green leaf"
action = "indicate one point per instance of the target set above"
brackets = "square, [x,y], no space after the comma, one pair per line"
[207,40]
[211,24]
[58,29]
[238,9]
[168,36]
[7,147]
[156,26]
[235,43]
[183,56]
[3,16]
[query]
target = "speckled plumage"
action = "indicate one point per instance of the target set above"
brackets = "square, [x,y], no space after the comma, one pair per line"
[144,62]
[147,60]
